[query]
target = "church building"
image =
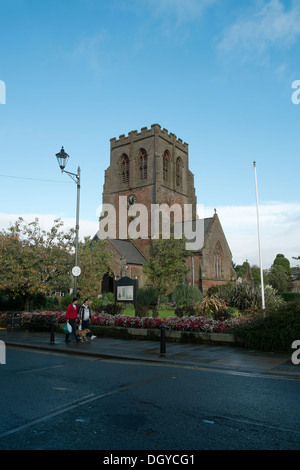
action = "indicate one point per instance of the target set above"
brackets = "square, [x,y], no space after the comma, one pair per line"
[149,170]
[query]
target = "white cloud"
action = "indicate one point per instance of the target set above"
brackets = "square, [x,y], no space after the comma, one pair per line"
[279,231]
[260,28]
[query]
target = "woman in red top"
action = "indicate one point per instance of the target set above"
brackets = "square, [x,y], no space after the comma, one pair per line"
[71,317]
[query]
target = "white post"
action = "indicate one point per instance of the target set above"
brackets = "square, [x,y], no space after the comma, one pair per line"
[260,257]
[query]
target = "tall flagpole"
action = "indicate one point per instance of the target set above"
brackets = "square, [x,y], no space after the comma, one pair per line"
[260,257]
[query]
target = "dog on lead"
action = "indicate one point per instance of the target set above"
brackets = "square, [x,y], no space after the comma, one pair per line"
[82,334]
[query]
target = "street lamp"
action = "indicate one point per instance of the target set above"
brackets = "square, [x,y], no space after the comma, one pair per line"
[62,158]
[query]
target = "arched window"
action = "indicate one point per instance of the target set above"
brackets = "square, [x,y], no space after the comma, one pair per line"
[125,168]
[179,166]
[218,260]
[166,159]
[143,163]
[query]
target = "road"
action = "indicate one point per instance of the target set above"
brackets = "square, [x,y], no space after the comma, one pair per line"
[61,402]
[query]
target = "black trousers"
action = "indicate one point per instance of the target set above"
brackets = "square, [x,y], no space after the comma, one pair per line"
[72,322]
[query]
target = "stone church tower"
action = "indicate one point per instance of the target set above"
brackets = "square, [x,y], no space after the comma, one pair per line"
[149,167]
[152,167]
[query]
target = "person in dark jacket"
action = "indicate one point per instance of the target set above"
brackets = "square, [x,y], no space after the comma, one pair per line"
[84,317]
[71,317]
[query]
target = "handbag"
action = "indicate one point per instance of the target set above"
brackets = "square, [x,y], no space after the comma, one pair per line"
[67,328]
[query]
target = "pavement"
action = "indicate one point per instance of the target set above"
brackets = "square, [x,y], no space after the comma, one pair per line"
[218,358]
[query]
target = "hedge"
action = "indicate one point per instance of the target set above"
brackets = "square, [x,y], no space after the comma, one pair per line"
[274,332]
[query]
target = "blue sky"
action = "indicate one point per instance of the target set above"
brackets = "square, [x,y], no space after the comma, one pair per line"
[216,73]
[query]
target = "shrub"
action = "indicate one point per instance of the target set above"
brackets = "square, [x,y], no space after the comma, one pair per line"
[184,294]
[222,315]
[185,311]
[242,295]
[99,304]
[113,309]
[11,301]
[108,297]
[147,297]
[272,299]
[247,298]
[290,296]
[65,301]
[273,332]
[210,306]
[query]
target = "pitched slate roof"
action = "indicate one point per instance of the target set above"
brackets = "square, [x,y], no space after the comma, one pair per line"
[129,250]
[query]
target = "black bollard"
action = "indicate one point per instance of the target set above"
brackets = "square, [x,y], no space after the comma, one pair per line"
[162,340]
[52,326]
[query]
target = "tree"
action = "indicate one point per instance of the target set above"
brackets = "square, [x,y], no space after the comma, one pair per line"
[166,267]
[94,261]
[280,260]
[34,261]
[278,278]
[241,271]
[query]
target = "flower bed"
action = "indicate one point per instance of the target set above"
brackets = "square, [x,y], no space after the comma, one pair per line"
[195,324]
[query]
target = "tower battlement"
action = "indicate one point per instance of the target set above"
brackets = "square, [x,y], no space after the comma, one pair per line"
[144,133]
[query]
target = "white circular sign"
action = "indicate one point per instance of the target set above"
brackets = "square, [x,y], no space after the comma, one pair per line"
[76,271]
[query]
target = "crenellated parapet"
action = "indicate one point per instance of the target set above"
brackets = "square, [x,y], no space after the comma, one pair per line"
[155,130]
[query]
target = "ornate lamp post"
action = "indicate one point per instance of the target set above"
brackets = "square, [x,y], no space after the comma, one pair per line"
[62,158]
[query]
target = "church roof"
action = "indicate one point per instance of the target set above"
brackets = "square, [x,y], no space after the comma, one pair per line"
[201,225]
[128,249]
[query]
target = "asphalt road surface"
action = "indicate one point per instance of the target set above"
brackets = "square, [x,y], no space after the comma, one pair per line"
[53,401]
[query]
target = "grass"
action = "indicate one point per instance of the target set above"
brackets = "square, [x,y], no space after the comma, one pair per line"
[164,312]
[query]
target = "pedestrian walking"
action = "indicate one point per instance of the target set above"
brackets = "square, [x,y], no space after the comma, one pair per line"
[71,317]
[84,317]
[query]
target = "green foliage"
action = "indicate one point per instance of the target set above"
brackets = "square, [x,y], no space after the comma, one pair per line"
[187,310]
[280,260]
[65,301]
[290,296]
[185,294]
[34,261]
[147,297]
[94,260]
[243,269]
[166,265]
[36,264]
[10,301]
[211,306]
[242,295]
[108,298]
[113,309]
[274,332]
[247,298]
[278,278]
[107,304]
